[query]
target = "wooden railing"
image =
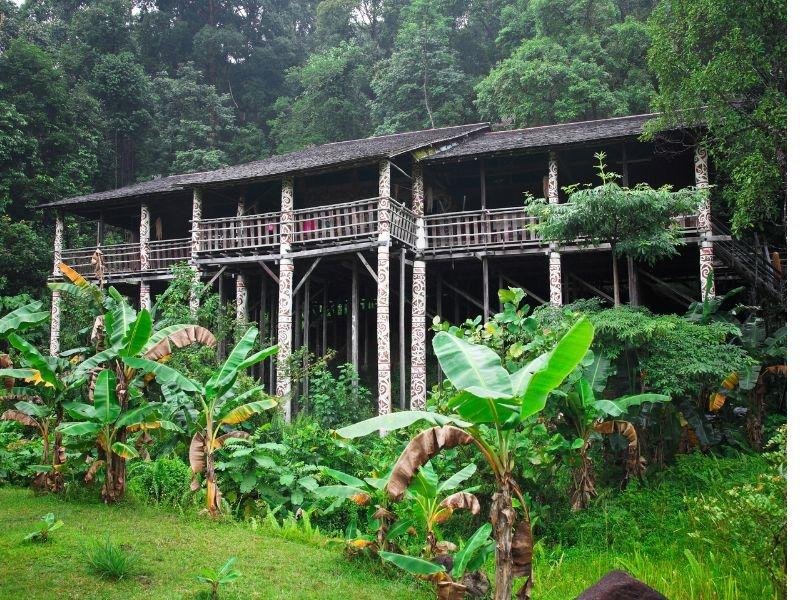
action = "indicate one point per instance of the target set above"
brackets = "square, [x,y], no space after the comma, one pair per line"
[165,253]
[240,235]
[496,228]
[403,224]
[123,259]
[117,259]
[336,223]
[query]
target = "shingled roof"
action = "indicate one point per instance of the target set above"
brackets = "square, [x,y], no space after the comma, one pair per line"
[311,159]
[545,136]
[338,153]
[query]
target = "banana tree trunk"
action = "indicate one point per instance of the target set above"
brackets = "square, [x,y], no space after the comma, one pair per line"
[212,491]
[116,470]
[502,518]
[583,481]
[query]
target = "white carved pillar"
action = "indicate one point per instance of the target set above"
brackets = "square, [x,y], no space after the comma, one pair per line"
[418,296]
[55,301]
[144,256]
[555,256]
[241,283]
[704,222]
[382,308]
[283,385]
[197,214]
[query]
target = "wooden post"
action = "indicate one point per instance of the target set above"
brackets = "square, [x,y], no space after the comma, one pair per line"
[382,306]
[241,283]
[401,331]
[197,214]
[438,314]
[144,255]
[485,270]
[354,306]
[633,279]
[306,327]
[419,352]
[55,299]
[325,319]
[220,315]
[262,327]
[483,185]
[273,319]
[555,256]
[283,386]
[704,223]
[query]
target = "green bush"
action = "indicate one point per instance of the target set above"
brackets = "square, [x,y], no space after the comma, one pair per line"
[17,454]
[331,400]
[111,561]
[162,481]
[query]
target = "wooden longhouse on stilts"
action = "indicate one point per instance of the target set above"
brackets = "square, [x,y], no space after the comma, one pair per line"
[328,246]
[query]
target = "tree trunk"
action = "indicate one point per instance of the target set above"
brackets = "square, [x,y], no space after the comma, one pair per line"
[212,491]
[114,485]
[582,482]
[502,518]
[615,274]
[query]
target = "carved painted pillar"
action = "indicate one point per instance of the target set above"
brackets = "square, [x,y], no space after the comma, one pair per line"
[283,386]
[382,308]
[555,256]
[418,297]
[197,214]
[55,308]
[144,255]
[241,283]
[704,222]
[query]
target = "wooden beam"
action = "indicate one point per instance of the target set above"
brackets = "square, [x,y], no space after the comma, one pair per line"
[367,265]
[269,271]
[671,291]
[306,276]
[483,184]
[401,332]
[589,286]
[467,297]
[212,280]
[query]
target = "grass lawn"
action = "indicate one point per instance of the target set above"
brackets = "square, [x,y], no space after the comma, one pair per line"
[172,549]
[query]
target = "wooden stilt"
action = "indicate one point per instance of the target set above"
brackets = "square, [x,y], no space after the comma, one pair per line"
[354,340]
[306,327]
[55,306]
[262,328]
[401,331]
[220,317]
[325,319]
[439,314]
[485,269]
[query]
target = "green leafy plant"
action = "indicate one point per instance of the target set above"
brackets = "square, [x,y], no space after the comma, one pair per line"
[224,575]
[489,406]
[220,407]
[111,561]
[47,525]
[469,558]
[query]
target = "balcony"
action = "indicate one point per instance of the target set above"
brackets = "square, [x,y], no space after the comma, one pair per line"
[122,260]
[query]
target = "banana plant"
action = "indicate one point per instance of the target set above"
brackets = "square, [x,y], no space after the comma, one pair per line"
[220,407]
[17,320]
[431,505]
[488,410]
[589,416]
[471,557]
[121,336]
[42,385]
[105,421]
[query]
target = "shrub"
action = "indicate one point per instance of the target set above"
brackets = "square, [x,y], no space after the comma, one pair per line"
[111,561]
[162,481]
[17,454]
[331,400]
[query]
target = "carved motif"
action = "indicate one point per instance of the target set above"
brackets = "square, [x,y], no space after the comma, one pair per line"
[144,296]
[418,343]
[552,179]
[383,335]
[287,208]
[707,269]
[55,323]
[555,279]
[283,385]
[384,193]
[144,238]
[58,245]
[241,299]
[701,182]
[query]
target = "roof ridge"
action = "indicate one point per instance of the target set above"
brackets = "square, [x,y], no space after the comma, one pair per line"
[551,125]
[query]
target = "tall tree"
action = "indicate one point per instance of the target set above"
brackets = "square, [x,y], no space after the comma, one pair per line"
[331,91]
[724,64]
[421,85]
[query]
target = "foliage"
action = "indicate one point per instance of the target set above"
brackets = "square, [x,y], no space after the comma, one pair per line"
[331,399]
[224,575]
[110,560]
[161,481]
[750,517]
[636,222]
[18,455]
[698,49]
[47,526]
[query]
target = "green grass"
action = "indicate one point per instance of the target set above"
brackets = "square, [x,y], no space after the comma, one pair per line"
[171,550]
